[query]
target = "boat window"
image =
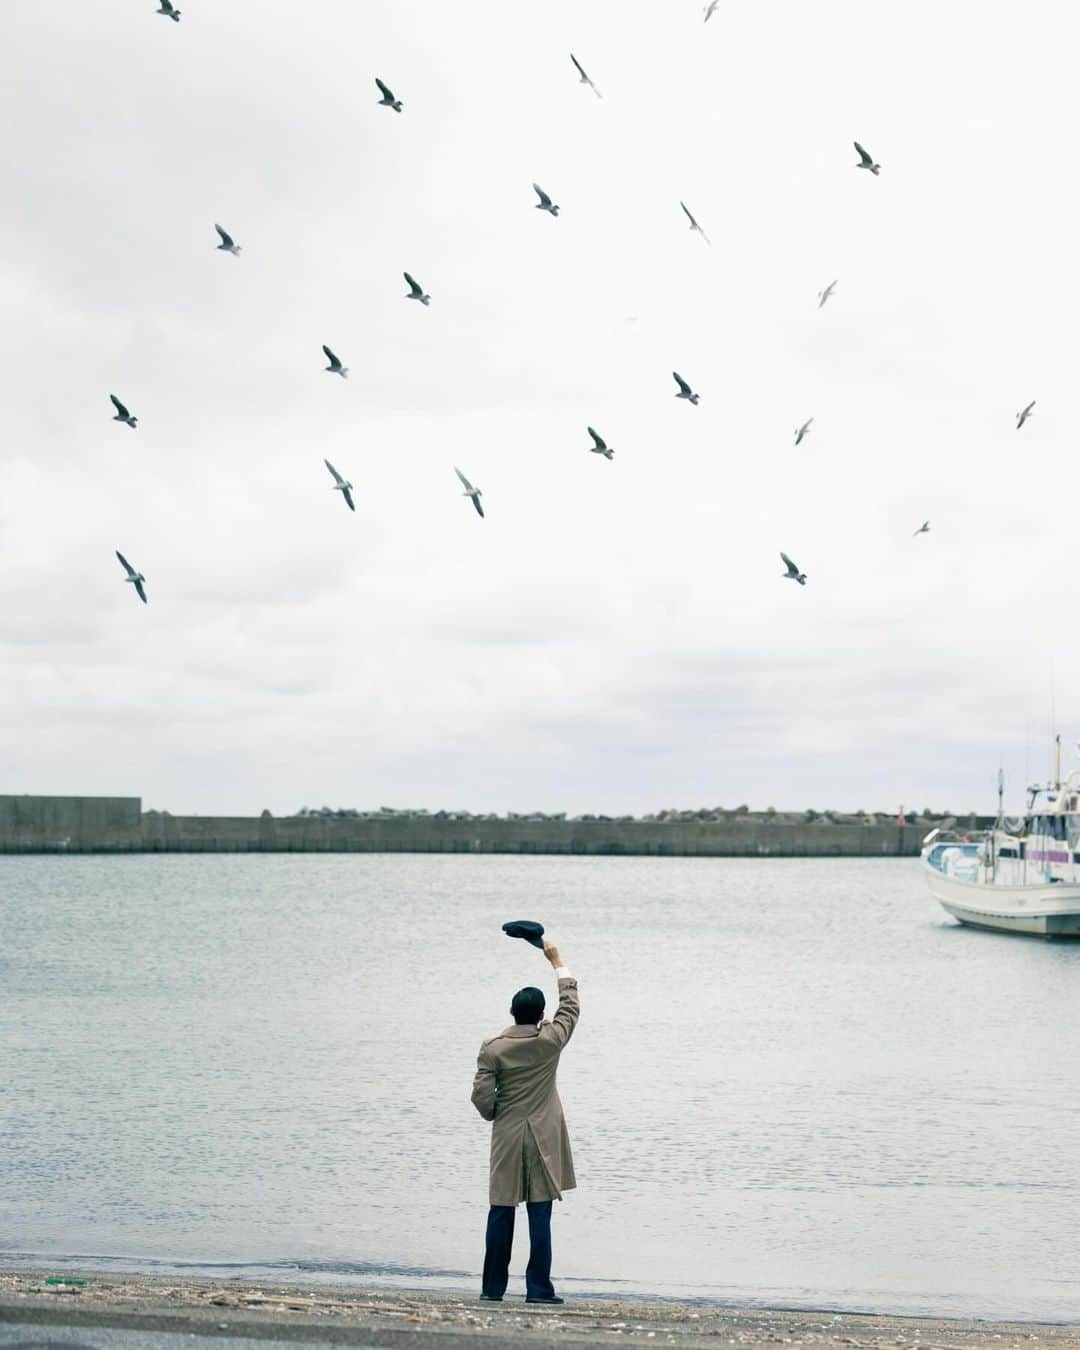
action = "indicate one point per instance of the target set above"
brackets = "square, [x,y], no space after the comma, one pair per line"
[1074,832]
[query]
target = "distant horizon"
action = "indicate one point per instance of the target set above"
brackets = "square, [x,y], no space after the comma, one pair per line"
[661,813]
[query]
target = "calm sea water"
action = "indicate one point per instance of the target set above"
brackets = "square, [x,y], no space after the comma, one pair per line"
[794,1082]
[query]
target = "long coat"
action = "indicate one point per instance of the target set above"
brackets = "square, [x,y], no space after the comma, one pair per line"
[515,1089]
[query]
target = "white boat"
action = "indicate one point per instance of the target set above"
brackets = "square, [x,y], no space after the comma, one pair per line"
[1022,876]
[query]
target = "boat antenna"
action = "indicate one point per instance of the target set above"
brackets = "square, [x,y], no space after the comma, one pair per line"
[1057,760]
[1001,798]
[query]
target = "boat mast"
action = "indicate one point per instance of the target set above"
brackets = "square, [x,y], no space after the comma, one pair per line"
[1057,761]
[999,824]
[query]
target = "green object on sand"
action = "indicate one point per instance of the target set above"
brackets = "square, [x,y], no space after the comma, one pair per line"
[66,1279]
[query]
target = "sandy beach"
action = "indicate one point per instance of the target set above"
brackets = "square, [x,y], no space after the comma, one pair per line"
[380,1317]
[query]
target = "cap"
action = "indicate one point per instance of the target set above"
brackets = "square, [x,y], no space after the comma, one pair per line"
[526,928]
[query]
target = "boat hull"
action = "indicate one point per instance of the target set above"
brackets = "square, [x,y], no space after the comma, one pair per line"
[1042,911]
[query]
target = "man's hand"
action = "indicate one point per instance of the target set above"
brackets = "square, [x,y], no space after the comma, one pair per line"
[552,954]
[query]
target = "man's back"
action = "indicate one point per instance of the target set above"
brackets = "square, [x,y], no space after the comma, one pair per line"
[525,1069]
[515,1088]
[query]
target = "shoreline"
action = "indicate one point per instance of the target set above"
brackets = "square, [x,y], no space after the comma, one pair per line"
[269,1309]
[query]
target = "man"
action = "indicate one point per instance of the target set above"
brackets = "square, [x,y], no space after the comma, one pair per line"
[530,1148]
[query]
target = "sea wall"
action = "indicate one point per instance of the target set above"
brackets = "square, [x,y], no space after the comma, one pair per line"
[424,834]
[55,824]
[117,824]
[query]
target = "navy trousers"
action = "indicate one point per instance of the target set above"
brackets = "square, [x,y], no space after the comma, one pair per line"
[500,1239]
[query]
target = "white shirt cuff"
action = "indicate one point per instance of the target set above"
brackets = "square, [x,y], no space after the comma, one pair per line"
[563,973]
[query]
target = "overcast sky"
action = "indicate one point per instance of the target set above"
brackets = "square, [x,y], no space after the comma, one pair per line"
[613,636]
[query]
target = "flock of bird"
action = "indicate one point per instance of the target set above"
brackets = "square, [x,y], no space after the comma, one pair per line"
[416,292]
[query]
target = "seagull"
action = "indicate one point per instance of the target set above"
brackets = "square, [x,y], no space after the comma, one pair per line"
[341,485]
[388,100]
[335,367]
[693,223]
[866,161]
[924,528]
[710,9]
[170,12]
[684,389]
[1022,417]
[416,292]
[601,447]
[802,431]
[470,491]
[792,573]
[822,296]
[544,204]
[227,245]
[122,414]
[136,578]
[584,78]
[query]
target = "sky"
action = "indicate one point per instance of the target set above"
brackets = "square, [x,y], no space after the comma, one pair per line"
[612,636]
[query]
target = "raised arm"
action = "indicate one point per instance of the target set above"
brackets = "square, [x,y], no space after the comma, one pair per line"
[484,1084]
[561,1027]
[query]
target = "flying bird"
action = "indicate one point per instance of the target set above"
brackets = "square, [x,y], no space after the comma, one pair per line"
[1022,417]
[341,485]
[122,414]
[171,12]
[822,296]
[802,431]
[584,78]
[388,100]
[866,161]
[416,291]
[470,491]
[601,447]
[693,223]
[544,204]
[684,389]
[792,573]
[924,528]
[335,367]
[227,245]
[710,9]
[136,578]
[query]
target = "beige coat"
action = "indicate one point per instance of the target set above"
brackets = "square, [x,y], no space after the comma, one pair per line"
[515,1089]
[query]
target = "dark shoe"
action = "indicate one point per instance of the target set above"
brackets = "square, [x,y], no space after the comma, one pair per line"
[553,1299]
[491,1298]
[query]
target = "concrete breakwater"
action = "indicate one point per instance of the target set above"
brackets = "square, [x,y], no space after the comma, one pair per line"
[31,824]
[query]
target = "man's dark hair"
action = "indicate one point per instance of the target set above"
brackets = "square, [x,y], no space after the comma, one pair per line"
[527,1006]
